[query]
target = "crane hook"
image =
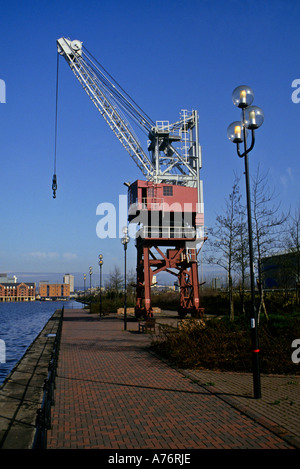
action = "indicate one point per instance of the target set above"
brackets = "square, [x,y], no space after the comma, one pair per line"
[54,185]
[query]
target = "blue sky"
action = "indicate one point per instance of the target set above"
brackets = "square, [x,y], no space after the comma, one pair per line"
[168,55]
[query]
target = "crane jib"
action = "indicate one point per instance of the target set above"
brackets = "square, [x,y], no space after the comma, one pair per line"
[174,149]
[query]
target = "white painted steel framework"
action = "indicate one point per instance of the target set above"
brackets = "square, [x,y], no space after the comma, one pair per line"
[174,153]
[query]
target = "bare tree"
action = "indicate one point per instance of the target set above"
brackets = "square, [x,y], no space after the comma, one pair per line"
[224,238]
[293,246]
[267,223]
[115,281]
[241,254]
[131,285]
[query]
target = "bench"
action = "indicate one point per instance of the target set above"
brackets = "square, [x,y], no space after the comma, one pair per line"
[149,324]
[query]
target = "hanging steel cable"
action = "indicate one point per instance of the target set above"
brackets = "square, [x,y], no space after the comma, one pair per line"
[54,179]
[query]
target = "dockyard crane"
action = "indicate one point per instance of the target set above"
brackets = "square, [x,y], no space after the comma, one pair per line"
[168,204]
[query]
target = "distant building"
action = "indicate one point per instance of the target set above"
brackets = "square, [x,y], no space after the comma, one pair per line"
[5,279]
[281,271]
[69,279]
[216,283]
[54,291]
[17,291]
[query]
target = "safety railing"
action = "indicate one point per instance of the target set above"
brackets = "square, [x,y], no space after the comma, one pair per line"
[43,417]
[168,232]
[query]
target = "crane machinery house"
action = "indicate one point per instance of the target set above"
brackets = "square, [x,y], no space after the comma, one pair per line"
[164,210]
[167,205]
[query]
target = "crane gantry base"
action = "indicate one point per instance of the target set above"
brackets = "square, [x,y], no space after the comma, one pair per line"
[177,261]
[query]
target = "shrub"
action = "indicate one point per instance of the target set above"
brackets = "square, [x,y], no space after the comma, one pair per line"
[219,344]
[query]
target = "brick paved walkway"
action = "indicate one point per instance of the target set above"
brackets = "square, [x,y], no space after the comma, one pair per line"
[112,393]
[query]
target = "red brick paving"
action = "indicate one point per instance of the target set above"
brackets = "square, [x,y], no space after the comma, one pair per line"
[112,393]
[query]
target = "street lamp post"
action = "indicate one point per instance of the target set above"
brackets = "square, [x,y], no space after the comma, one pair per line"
[125,241]
[90,272]
[100,297]
[252,118]
[84,280]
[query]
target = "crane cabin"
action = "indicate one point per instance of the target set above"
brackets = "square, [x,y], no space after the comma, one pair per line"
[164,211]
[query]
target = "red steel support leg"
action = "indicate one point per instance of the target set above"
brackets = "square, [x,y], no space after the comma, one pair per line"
[189,291]
[144,280]
[139,283]
[195,286]
[148,281]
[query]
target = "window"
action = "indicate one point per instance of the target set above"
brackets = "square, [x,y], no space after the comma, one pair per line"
[133,195]
[151,192]
[168,190]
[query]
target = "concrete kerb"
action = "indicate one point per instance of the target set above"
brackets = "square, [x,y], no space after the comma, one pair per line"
[21,394]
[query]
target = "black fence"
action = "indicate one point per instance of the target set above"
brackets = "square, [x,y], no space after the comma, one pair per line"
[43,418]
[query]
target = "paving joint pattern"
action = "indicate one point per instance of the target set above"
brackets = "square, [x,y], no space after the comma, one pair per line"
[112,393]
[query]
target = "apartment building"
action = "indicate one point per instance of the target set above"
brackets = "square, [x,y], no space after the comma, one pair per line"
[17,291]
[54,291]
